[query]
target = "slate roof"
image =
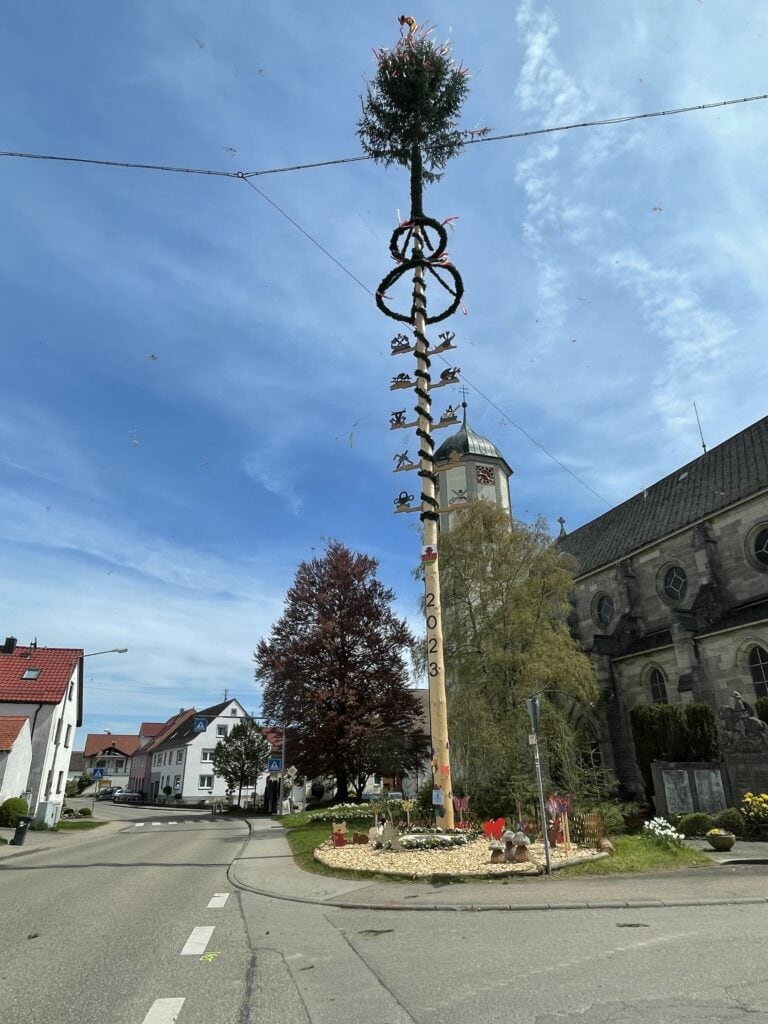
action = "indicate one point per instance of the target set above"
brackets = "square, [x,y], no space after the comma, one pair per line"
[98,742]
[76,763]
[10,727]
[56,665]
[734,470]
[167,730]
[741,615]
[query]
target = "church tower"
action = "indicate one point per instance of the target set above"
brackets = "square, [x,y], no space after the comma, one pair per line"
[470,467]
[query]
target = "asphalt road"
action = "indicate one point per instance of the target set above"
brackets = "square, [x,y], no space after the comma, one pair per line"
[96,934]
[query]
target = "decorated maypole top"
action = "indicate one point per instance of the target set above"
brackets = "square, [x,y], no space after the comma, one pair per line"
[410,118]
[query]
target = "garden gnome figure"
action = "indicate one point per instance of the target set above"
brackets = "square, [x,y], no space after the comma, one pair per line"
[520,844]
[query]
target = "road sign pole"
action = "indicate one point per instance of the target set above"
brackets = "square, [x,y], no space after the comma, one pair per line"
[282,773]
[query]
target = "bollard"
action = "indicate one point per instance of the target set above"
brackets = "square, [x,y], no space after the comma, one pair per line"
[22,827]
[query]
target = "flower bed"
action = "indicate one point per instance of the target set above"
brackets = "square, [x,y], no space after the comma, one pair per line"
[472,859]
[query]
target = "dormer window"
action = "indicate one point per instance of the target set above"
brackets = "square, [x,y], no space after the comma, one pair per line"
[234,712]
[30,673]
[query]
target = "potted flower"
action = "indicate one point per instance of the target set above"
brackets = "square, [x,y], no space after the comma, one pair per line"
[720,839]
[634,814]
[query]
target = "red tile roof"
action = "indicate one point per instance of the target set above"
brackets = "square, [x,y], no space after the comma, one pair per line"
[151,728]
[168,727]
[56,665]
[10,727]
[96,742]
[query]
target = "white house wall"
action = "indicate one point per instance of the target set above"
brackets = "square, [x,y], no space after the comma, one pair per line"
[15,765]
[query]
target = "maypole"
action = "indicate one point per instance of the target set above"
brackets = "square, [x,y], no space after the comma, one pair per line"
[409,118]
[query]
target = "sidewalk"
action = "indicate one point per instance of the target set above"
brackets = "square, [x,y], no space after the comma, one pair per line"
[36,842]
[266,866]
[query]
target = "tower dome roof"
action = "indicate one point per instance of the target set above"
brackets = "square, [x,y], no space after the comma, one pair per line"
[467,442]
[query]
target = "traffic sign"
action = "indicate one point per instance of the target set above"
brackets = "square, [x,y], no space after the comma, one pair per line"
[200,725]
[98,773]
[275,764]
[293,771]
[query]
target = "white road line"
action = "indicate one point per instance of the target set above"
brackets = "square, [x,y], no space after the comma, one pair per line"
[218,900]
[138,824]
[197,941]
[164,1011]
[171,823]
[158,823]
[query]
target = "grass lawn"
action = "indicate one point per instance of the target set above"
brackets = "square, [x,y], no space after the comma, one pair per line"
[77,825]
[304,835]
[634,854]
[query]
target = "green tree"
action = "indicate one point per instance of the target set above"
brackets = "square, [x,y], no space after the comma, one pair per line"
[242,756]
[505,596]
[334,670]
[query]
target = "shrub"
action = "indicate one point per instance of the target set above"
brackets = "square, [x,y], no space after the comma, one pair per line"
[703,739]
[697,824]
[754,807]
[38,826]
[732,820]
[85,812]
[177,797]
[343,812]
[11,810]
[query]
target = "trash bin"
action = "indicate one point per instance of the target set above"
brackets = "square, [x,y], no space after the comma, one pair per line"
[22,827]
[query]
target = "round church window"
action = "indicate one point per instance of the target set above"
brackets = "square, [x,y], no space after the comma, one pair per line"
[761,546]
[605,610]
[675,583]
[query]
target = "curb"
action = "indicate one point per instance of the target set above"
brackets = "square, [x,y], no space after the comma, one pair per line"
[91,833]
[341,904]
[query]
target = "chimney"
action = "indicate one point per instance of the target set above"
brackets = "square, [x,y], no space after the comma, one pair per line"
[10,645]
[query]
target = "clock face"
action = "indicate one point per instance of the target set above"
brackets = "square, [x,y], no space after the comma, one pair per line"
[485,475]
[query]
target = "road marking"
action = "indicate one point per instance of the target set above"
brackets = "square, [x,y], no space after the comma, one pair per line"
[218,900]
[164,1011]
[210,957]
[157,823]
[197,941]
[171,823]
[138,824]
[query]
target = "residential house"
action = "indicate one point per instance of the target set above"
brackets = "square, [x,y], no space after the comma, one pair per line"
[45,685]
[76,766]
[15,755]
[183,758]
[151,734]
[111,754]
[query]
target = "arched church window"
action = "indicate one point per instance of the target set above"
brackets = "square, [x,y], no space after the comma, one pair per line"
[758,667]
[658,687]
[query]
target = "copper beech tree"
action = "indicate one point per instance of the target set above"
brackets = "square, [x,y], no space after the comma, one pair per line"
[334,674]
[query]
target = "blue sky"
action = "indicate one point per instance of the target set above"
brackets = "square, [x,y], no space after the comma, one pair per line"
[195,396]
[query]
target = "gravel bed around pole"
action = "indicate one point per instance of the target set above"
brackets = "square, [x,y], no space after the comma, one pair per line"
[472,860]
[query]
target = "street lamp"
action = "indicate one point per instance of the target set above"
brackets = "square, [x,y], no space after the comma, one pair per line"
[112,650]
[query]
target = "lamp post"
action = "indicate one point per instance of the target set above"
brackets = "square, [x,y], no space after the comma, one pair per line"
[93,654]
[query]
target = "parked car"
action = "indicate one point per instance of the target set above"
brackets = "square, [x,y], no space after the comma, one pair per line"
[109,792]
[125,796]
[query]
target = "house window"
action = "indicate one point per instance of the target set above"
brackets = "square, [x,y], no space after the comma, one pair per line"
[48,783]
[179,756]
[177,782]
[758,666]
[658,687]
[71,693]
[234,712]
[221,731]
[205,782]
[30,673]
[119,765]
[101,763]
[60,782]
[57,736]
[675,583]
[68,737]
[206,755]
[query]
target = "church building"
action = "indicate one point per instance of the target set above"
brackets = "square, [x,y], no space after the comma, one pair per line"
[671,586]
